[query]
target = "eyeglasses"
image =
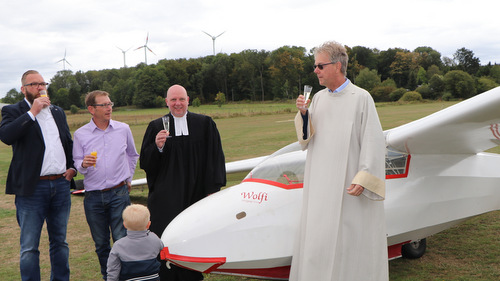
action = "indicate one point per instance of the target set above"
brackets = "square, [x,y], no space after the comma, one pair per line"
[104,104]
[321,65]
[36,84]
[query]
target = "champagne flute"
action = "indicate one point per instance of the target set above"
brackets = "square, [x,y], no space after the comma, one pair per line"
[43,93]
[166,123]
[94,153]
[307,92]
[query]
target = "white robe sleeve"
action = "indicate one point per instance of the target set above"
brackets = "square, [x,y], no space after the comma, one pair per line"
[371,169]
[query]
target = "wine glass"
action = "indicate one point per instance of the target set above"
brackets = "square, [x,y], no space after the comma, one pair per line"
[307,92]
[43,93]
[166,123]
[94,153]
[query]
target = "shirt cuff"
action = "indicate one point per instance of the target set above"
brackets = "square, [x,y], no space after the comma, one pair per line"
[161,149]
[31,115]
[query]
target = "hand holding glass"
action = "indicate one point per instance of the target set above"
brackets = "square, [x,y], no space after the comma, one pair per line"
[307,92]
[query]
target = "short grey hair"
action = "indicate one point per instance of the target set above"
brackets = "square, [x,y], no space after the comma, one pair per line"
[336,52]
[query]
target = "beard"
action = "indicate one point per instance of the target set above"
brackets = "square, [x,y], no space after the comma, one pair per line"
[31,96]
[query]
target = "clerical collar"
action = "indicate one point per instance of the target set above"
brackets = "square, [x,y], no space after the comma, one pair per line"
[347,81]
[181,127]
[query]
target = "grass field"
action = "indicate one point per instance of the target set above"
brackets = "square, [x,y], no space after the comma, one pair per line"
[470,251]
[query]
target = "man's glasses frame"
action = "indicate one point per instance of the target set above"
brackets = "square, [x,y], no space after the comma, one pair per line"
[111,104]
[321,65]
[36,84]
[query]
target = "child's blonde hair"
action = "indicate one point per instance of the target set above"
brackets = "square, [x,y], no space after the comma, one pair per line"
[136,217]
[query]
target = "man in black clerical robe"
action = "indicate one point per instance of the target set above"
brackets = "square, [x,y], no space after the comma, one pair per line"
[183,165]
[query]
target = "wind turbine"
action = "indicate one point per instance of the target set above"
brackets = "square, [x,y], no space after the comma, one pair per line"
[145,49]
[213,39]
[124,64]
[64,60]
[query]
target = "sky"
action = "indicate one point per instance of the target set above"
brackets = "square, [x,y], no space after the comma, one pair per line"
[38,34]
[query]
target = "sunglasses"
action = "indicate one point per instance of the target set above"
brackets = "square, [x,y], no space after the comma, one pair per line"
[321,65]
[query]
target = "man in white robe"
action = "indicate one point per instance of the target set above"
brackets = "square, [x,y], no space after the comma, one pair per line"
[342,233]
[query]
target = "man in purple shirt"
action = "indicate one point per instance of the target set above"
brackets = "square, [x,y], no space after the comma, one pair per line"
[104,152]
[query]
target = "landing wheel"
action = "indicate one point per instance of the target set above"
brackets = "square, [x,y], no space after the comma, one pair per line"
[414,250]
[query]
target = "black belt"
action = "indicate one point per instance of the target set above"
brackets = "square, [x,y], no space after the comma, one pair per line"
[51,177]
[116,186]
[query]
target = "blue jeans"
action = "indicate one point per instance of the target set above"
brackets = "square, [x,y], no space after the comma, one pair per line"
[51,202]
[103,210]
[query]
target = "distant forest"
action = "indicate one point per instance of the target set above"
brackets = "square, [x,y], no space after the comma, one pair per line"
[252,75]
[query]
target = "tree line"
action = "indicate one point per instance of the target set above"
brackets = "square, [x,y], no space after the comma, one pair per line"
[253,75]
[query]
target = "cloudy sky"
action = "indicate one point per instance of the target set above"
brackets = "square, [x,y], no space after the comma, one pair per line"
[36,34]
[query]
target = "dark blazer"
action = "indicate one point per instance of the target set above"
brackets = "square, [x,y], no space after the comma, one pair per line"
[19,130]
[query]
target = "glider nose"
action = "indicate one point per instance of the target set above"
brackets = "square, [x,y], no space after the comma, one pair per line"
[238,226]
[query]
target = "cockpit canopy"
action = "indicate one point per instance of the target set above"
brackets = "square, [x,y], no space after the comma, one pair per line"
[287,170]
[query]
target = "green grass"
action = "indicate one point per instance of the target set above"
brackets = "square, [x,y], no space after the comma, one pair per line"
[5,213]
[469,251]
